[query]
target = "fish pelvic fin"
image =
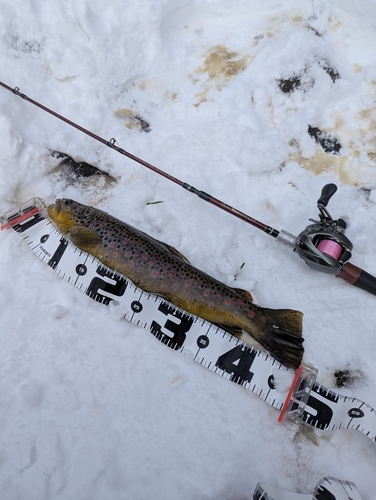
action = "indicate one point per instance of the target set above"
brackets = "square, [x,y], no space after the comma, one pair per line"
[283,338]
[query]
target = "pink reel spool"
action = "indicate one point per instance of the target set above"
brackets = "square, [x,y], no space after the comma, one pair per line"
[330,248]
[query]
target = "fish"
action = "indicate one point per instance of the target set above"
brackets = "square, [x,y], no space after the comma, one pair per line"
[158,268]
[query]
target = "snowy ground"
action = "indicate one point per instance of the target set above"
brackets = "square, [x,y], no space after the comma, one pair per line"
[95,408]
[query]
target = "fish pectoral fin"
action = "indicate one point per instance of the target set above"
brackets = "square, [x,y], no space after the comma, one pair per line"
[81,235]
[244,293]
[236,331]
[177,253]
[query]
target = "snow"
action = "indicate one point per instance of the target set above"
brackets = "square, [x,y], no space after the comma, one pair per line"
[93,407]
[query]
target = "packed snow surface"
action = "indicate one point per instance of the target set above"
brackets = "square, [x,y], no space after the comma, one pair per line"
[221,94]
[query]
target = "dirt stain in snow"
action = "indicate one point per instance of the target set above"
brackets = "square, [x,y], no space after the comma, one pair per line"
[322,163]
[132,119]
[352,168]
[221,65]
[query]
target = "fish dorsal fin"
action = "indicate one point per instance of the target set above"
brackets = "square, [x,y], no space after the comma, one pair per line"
[81,235]
[176,252]
[165,246]
[244,293]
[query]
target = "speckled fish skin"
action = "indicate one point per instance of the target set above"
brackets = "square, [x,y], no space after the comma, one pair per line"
[157,268]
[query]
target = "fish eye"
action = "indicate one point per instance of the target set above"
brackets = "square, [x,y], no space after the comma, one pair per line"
[67,202]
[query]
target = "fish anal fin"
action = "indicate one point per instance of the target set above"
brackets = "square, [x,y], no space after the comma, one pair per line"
[83,236]
[233,330]
[244,293]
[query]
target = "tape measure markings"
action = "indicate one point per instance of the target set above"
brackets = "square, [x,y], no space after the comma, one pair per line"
[328,488]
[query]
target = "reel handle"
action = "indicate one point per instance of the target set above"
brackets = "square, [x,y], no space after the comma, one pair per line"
[327,192]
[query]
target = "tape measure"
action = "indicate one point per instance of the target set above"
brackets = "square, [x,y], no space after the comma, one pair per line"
[328,488]
[207,344]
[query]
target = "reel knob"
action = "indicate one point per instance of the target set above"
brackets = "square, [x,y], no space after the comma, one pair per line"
[327,192]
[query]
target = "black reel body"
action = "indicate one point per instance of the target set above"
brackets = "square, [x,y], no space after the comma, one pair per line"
[323,245]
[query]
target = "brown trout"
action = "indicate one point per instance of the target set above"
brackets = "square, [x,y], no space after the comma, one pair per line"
[158,268]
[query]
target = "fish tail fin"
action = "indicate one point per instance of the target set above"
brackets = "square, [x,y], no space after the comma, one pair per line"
[283,338]
[287,319]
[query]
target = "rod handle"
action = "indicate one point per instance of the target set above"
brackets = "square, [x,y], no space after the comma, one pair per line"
[358,277]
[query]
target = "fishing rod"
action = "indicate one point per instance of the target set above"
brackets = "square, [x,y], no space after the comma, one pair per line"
[322,245]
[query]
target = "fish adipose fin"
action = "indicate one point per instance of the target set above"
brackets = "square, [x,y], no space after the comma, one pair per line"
[81,236]
[177,253]
[244,293]
[284,338]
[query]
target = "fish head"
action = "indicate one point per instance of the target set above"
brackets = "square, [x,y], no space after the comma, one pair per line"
[66,213]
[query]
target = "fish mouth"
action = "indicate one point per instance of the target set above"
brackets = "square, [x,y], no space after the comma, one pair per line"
[59,205]
[54,209]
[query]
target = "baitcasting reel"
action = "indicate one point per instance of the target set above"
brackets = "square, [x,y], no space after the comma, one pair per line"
[325,248]
[322,245]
